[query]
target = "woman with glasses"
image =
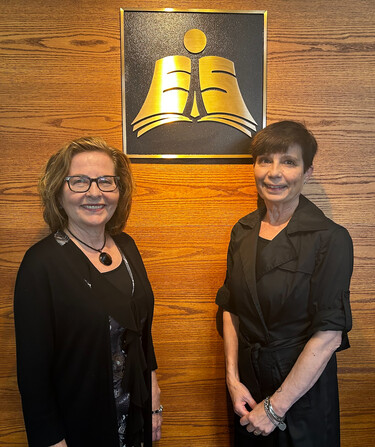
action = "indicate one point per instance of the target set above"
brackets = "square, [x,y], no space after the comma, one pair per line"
[83,311]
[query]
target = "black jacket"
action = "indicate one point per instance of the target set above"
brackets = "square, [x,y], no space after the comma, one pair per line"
[301,286]
[64,364]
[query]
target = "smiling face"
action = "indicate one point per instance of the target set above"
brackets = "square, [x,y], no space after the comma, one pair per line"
[94,208]
[279,177]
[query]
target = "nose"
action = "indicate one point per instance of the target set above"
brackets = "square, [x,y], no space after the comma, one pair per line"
[274,169]
[94,190]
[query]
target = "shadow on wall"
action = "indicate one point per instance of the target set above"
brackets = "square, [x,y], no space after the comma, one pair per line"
[315,192]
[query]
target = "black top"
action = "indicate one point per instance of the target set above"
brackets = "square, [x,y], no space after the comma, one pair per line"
[120,278]
[262,244]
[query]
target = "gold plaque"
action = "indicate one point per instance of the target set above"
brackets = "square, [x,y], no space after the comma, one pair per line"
[193,84]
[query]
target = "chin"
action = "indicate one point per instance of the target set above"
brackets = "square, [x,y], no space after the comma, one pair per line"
[274,197]
[276,200]
[93,224]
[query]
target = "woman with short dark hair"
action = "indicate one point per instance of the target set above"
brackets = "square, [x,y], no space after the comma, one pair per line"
[285,302]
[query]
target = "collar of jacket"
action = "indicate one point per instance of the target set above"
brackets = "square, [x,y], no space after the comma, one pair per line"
[306,217]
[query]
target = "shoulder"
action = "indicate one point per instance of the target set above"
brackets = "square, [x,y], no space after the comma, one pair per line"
[244,227]
[310,222]
[39,261]
[247,222]
[127,244]
[42,251]
[309,217]
[124,240]
[331,228]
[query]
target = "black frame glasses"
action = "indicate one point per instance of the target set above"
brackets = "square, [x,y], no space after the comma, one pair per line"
[100,182]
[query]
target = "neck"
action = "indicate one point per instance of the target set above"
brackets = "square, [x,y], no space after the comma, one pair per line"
[92,236]
[280,213]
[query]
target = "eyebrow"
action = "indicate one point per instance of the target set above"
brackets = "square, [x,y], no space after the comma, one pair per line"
[284,156]
[290,156]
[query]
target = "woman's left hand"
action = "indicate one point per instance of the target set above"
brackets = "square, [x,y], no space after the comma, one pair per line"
[157,418]
[304,374]
[257,421]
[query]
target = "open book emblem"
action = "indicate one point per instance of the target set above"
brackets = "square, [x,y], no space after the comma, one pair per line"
[189,90]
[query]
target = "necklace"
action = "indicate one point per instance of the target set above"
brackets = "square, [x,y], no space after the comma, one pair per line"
[104,258]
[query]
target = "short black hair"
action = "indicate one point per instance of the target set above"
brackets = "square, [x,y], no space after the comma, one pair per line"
[279,136]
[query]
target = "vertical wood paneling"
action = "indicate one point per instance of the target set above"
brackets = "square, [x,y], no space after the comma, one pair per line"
[60,79]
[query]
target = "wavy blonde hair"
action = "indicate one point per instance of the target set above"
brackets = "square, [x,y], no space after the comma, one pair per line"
[57,168]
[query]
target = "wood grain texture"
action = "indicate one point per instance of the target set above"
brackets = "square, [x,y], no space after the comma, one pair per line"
[60,79]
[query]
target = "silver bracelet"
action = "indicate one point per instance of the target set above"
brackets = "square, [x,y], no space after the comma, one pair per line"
[269,415]
[158,411]
[277,421]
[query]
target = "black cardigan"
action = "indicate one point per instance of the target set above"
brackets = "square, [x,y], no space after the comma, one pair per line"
[64,365]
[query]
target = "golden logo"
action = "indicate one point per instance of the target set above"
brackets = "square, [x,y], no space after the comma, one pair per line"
[175,96]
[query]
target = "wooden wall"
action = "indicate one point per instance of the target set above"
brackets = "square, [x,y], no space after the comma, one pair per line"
[60,79]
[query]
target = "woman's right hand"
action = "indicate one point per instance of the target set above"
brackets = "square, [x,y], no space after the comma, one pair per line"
[240,396]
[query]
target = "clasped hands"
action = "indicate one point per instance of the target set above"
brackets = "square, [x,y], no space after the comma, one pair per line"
[255,420]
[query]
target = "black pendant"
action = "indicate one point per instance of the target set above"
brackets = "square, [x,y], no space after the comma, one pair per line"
[105,258]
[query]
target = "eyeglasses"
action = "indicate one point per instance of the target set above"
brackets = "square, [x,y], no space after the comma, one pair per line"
[82,183]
